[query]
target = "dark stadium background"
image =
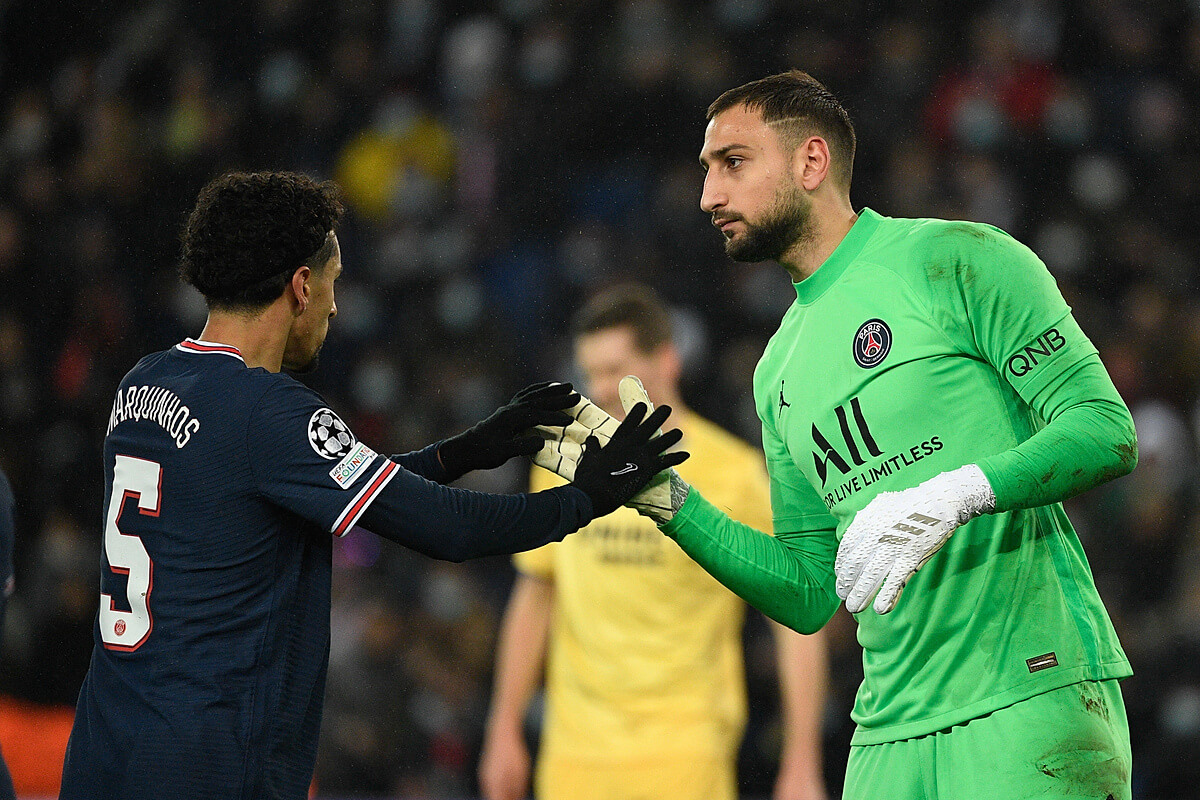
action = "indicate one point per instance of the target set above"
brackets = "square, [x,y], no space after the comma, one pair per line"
[503,159]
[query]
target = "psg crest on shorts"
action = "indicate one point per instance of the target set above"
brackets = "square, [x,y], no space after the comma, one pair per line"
[872,343]
[328,435]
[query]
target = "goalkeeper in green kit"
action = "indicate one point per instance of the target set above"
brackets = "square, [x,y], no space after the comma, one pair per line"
[927,403]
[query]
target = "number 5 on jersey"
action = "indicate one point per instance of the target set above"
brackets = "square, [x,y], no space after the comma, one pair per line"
[140,479]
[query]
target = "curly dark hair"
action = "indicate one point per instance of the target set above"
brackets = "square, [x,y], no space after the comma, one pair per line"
[250,231]
[800,106]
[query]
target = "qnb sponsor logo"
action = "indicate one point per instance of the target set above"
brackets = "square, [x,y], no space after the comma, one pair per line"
[1033,354]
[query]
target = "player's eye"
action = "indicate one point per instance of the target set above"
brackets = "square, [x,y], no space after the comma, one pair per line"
[734,161]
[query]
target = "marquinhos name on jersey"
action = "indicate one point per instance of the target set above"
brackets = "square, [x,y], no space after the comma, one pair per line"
[156,404]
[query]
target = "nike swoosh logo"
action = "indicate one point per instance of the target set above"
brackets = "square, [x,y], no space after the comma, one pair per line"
[628,469]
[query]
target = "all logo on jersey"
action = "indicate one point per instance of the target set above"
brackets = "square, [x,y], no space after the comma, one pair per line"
[855,460]
[328,435]
[829,454]
[872,343]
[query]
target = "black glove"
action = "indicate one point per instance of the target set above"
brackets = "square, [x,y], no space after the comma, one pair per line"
[613,474]
[507,432]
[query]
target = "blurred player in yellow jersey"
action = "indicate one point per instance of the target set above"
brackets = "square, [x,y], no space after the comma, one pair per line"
[645,694]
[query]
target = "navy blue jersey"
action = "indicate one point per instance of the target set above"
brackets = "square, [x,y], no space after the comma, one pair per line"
[223,484]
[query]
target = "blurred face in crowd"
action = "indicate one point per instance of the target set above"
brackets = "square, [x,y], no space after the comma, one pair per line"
[749,188]
[608,355]
[310,328]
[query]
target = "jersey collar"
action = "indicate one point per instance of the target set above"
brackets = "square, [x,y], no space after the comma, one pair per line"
[202,347]
[812,287]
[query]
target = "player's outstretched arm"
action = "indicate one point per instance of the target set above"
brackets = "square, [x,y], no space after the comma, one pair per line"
[456,524]
[788,577]
[508,432]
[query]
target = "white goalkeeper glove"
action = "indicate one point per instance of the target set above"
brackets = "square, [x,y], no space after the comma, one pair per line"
[666,491]
[897,532]
[563,447]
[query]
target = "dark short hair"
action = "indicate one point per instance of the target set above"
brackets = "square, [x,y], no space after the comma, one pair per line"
[629,304]
[250,232]
[801,106]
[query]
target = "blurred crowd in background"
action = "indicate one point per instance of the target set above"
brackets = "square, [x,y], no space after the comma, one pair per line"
[502,160]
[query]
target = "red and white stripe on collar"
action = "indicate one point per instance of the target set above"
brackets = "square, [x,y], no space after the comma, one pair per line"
[197,346]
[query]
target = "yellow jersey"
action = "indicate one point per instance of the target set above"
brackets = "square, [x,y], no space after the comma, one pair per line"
[645,652]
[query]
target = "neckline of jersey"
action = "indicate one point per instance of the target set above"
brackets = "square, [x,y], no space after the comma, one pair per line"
[201,347]
[812,287]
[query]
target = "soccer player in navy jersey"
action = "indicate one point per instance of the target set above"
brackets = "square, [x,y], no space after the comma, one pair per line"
[225,478]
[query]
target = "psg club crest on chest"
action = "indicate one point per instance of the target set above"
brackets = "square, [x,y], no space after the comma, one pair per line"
[872,343]
[328,435]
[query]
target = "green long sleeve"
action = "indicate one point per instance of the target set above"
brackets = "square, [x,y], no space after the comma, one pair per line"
[789,577]
[1089,439]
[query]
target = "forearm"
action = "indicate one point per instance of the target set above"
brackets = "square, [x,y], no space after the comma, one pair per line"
[521,651]
[424,462]
[457,524]
[788,577]
[803,678]
[1088,440]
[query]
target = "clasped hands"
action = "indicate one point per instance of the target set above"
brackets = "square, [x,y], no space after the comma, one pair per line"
[611,461]
[592,426]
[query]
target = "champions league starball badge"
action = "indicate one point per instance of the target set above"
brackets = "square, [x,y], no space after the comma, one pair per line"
[872,343]
[328,435]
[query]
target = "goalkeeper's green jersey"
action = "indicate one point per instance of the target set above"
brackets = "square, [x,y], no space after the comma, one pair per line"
[919,346]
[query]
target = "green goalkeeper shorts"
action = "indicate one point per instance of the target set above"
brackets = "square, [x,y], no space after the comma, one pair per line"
[1071,742]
